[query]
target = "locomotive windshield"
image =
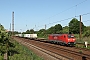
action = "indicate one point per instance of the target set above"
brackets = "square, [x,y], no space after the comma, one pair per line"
[70,36]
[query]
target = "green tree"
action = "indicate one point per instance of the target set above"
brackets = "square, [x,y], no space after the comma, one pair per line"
[58,28]
[74,26]
[27,32]
[41,33]
[87,31]
[51,30]
[16,32]
[87,28]
[4,41]
[55,29]
[31,31]
[65,29]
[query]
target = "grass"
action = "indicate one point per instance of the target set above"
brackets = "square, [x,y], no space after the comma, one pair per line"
[82,46]
[23,53]
[1,57]
[83,39]
[80,51]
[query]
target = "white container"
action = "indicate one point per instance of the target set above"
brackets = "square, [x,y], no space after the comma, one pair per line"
[33,36]
[16,34]
[20,35]
[27,35]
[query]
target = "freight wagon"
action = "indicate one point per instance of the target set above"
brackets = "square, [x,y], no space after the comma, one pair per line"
[30,36]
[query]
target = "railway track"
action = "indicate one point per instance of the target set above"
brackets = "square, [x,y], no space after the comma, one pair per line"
[56,56]
[53,54]
[69,51]
[59,51]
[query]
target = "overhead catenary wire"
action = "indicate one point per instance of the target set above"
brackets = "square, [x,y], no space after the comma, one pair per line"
[58,21]
[68,18]
[65,19]
[85,14]
[75,10]
[64,11]
[86,21]
[68,9]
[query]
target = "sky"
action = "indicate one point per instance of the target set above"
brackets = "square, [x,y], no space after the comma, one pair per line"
[35,14]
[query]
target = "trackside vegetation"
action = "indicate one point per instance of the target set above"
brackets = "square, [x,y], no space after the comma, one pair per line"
[22,53]
[4,42]
[11,50]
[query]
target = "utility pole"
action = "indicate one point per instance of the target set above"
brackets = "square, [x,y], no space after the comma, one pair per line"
[45,26]
[80,27]
[45,29]
[10,26]
[12,23]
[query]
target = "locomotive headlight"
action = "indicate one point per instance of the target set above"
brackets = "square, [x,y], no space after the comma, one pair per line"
[68,39]
[73,39]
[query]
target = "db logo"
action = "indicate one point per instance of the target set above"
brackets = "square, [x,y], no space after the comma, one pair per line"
[55,37]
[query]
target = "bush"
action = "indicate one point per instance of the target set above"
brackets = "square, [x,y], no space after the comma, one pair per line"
[1,58]
[23,53]
[87,33]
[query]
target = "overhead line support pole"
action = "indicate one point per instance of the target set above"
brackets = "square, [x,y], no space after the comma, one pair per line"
[12,23]
[80,27]
[10,26]
[45,29]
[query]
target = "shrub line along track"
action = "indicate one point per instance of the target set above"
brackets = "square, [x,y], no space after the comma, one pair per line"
[59,51]
[82,44]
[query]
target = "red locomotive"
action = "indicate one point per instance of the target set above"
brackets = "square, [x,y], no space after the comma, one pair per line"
[67,39]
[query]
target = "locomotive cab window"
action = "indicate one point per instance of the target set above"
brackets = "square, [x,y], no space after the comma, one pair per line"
[70,36]
[64,36]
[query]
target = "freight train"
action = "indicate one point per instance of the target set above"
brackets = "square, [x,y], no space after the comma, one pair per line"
[63,39]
